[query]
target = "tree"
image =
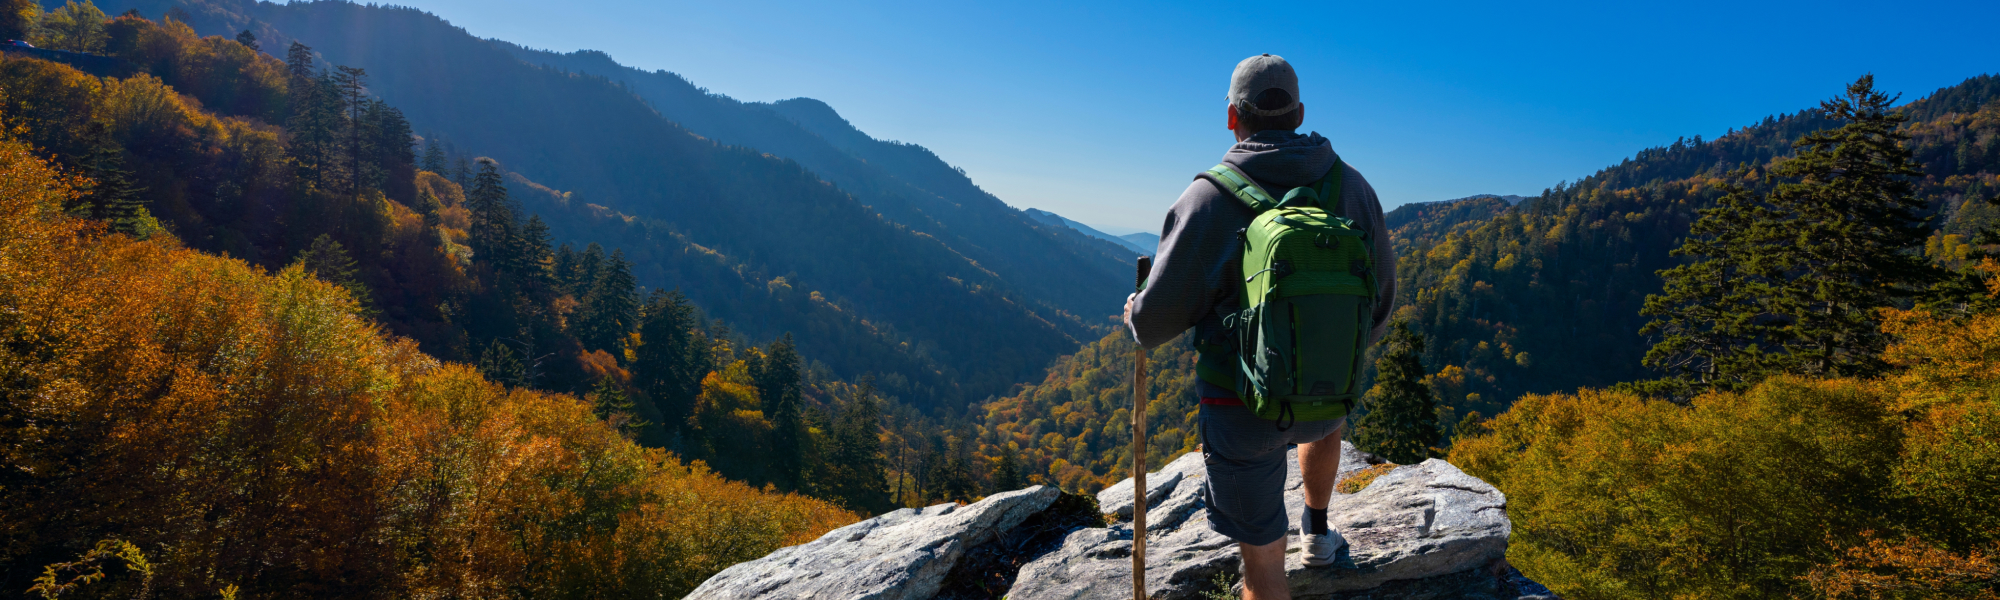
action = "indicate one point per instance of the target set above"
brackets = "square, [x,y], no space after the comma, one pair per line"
[854,470]
[1007,474]
[499,364]
[433,156]
[17,18]
[1852,241]
[112,197]
[611,309]
[248,40]
[1712,315]
[616,408]
[1401,422]
[74,27]
[352,86]
[329,261]
[672,355]
[779,385]
[492,230]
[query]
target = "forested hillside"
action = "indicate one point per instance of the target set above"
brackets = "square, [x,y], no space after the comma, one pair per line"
[967,312]
[178,424]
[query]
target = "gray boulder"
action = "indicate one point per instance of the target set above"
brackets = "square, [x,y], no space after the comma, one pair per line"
[1418,531]
[903,555]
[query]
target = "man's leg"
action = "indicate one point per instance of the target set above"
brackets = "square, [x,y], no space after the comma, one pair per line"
[1264,571]
[1319,464]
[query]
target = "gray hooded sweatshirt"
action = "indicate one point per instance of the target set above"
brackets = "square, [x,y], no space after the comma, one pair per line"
[1197,271]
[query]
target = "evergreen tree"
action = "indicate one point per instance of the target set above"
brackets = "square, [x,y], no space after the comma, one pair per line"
[433,156]
[611,309]
[534,261]
[1401,422]
[492,230]
[1711,317]
[672,356]
[1855,241]
[461,173]
[329,261]
[854,465]
[499,364]
[613,405]
[563,266]
[248,40]
[583,275]
[779,385]
[430,208]
[1007,474]
[111,196]
[351,85]
[1792,283]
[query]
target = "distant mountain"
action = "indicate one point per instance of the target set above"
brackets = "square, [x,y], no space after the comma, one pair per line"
[1055,220]
[969,295]
[1149,241]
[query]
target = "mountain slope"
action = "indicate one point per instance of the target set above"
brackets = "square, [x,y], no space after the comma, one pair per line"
[1055,220]
[594,137]
[907,183]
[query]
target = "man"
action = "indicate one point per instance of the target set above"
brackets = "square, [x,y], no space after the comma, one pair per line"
[1196,279]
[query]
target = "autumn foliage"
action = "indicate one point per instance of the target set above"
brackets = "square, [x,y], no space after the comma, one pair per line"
[243,428]
[1840,488]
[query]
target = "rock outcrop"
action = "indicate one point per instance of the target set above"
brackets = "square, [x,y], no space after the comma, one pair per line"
[1418,531]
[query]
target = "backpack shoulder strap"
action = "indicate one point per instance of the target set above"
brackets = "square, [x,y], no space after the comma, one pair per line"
[1328,189]
[1239,186]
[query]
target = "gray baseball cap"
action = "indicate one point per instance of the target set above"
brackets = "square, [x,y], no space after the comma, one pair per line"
[1259,73]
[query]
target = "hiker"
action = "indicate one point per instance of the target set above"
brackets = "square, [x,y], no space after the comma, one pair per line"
[1198,280]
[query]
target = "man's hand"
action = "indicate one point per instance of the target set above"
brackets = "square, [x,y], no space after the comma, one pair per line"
[1131,299]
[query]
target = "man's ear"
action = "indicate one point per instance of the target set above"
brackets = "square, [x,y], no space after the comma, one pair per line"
[1232,117]
[1302,116]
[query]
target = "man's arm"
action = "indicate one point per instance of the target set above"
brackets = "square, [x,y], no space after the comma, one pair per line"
[1359,200]
[1191,269]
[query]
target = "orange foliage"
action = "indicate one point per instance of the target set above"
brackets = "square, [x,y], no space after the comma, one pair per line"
[1910,568]
[246,428]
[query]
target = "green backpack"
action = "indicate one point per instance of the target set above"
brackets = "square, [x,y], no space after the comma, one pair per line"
[1308,297]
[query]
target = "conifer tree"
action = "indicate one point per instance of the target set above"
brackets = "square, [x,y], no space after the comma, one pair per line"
[1850,215]
[1791,283]
[533,257]
[329,261]
[499,364]
[492,230]
[614,406]
[1007,474]
[433,156]
[112,197]
[611,309]
[248,40]
[779,385]
[1401,422]
[583,274]
[1711,315]
[672,356]
[351,85]
[854,466]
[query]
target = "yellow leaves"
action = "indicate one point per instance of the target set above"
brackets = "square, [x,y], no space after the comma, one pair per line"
[254,424]
[1505,264]
[1943,359]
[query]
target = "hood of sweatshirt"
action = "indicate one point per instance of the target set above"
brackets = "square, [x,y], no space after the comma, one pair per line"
[1282,160]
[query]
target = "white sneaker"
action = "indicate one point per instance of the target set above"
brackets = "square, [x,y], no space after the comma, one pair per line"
[1319,550]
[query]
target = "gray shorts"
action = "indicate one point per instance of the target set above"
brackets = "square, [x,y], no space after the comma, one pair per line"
[1246,470]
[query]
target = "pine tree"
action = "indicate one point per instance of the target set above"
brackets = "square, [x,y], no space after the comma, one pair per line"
[672,356]
[1401,422]
[615,407]
[492,234]
[499,365]
[583,274]
[329,261]
[112,197]
[248,40]
[779,385]
[1007,474]
[1852,240]
[854,469]
[461,173]
[611,309]
[1712,315]
[433,156]
[534,261]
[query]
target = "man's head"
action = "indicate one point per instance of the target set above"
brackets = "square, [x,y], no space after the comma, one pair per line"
[1264,95]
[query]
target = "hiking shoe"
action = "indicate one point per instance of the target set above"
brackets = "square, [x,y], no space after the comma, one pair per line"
[1320,550]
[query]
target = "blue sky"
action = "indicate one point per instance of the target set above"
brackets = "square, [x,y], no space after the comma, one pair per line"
[1103,112]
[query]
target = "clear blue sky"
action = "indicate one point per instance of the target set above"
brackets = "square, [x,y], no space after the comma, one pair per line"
[1102,112]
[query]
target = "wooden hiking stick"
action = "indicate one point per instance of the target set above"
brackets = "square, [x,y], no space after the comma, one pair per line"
[1139,453]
